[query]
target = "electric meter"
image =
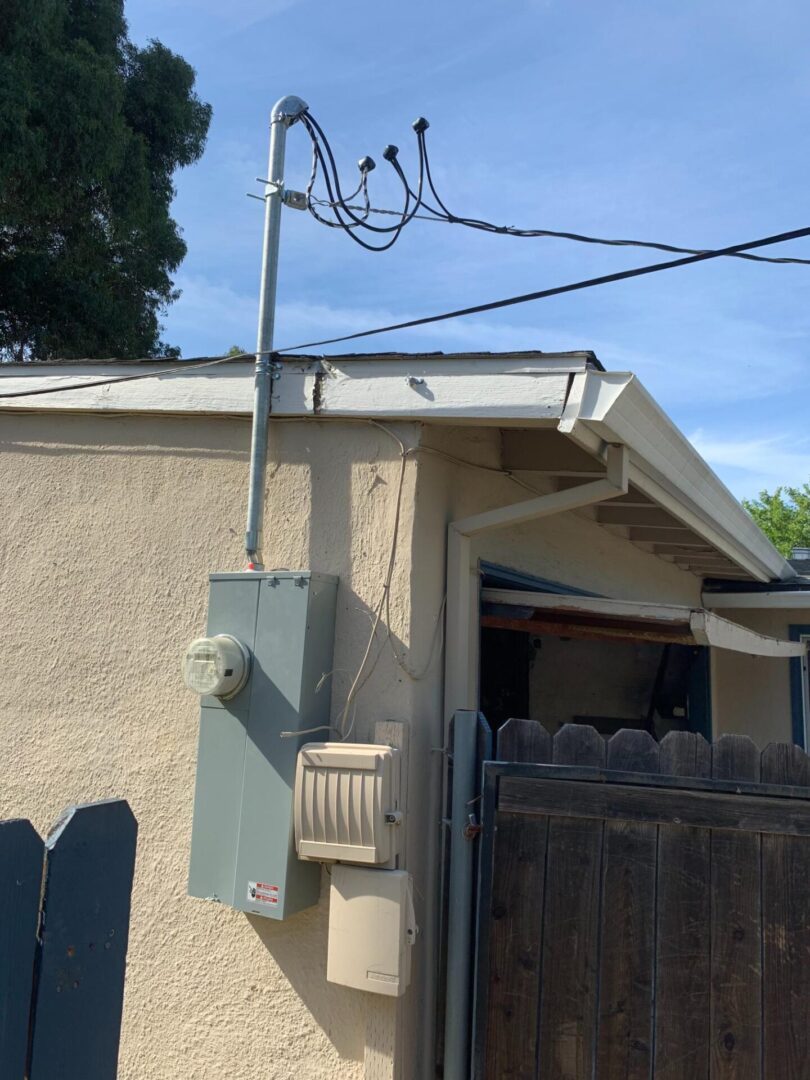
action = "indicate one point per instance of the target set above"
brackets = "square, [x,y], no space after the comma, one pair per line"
[216,666]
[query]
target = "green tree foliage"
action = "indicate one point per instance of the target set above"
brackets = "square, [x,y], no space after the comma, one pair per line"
[783,516]
[92,129]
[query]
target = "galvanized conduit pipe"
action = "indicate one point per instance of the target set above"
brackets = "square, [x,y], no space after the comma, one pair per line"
[461,695]
[285,112]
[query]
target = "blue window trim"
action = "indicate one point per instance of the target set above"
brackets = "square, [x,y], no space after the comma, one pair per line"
[494,576]
[700,697]
[796,694]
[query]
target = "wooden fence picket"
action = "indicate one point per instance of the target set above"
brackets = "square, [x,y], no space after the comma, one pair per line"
[627,961]
[90,857]
[683,938]
[736,1001]
[785,930]
[672,923]
[517,917]
[21,856]
[568,998]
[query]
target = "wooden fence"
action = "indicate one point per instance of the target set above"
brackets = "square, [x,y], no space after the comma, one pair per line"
[645,909]
[64,925]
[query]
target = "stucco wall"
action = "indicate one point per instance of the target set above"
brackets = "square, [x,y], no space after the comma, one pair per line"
[751,694]
[110,528]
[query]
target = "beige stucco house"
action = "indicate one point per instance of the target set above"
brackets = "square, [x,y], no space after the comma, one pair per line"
[557,550]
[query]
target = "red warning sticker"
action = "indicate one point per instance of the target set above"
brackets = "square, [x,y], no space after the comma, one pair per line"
[260,892]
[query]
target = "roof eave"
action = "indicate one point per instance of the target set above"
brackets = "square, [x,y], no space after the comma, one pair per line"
[615,407]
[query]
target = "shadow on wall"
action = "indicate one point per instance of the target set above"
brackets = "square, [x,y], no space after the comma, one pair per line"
[349,507]
[298,946]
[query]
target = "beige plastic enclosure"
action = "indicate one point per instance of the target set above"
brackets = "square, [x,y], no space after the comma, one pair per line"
[347,802]
[371,929]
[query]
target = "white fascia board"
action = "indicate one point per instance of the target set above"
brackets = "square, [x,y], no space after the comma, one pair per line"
[588,605]
[794,600]
[482,390]
[614,407]
[705,627]
[227,388]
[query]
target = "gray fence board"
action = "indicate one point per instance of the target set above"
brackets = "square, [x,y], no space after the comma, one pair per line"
[85,927]
[21,856]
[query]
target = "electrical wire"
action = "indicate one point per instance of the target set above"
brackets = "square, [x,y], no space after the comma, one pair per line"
[476,309]
[361,676]
[343,206]
[180,366]
[345,218]
[580,237]
[559,290]
[383,606]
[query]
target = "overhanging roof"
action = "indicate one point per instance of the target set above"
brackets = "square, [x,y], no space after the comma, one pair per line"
[594,617]
[677,507]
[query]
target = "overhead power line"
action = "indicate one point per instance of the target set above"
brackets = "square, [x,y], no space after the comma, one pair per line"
[581,238]
[558,290]
[492,305]
[343,209]
[184,365]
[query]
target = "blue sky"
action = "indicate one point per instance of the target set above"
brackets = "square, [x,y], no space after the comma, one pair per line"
[684,122]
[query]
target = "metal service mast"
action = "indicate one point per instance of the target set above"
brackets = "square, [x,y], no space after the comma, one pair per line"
[285,113]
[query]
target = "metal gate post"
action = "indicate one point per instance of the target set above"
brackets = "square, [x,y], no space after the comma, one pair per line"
[460,896]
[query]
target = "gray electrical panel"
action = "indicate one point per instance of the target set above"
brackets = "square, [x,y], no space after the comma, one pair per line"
[242,844]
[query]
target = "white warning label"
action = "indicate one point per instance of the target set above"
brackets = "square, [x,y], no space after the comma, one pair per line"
[259,892]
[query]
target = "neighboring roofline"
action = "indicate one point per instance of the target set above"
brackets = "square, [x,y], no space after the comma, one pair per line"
[563,391]
[759,599]
[614,407]
[718,586]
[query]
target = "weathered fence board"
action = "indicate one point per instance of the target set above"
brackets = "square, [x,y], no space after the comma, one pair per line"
[21,856]
[568,999]
[628,927]
[665,935]
[84,933]
[683,931]
[736,976]
[786,932]
[517,918]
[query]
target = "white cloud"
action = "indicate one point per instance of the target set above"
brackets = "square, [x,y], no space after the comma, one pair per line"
[750,464]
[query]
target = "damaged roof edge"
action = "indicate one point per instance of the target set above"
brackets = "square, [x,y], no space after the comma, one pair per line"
[569,392]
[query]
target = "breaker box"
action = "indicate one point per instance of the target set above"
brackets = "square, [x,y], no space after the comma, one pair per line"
[242,843]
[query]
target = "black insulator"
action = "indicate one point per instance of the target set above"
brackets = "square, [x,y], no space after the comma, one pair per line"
[390,152]
[366,164]
[420,124]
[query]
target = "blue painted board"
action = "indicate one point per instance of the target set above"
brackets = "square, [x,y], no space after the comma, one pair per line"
[90,858]
[21,856]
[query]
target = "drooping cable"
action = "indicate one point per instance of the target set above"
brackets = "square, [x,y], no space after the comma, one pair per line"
[180,366]
[341,208]
[509,230]
[344,208]
[559,290]
[476,309]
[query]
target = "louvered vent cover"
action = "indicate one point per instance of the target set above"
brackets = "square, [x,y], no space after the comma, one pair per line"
[343,794]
